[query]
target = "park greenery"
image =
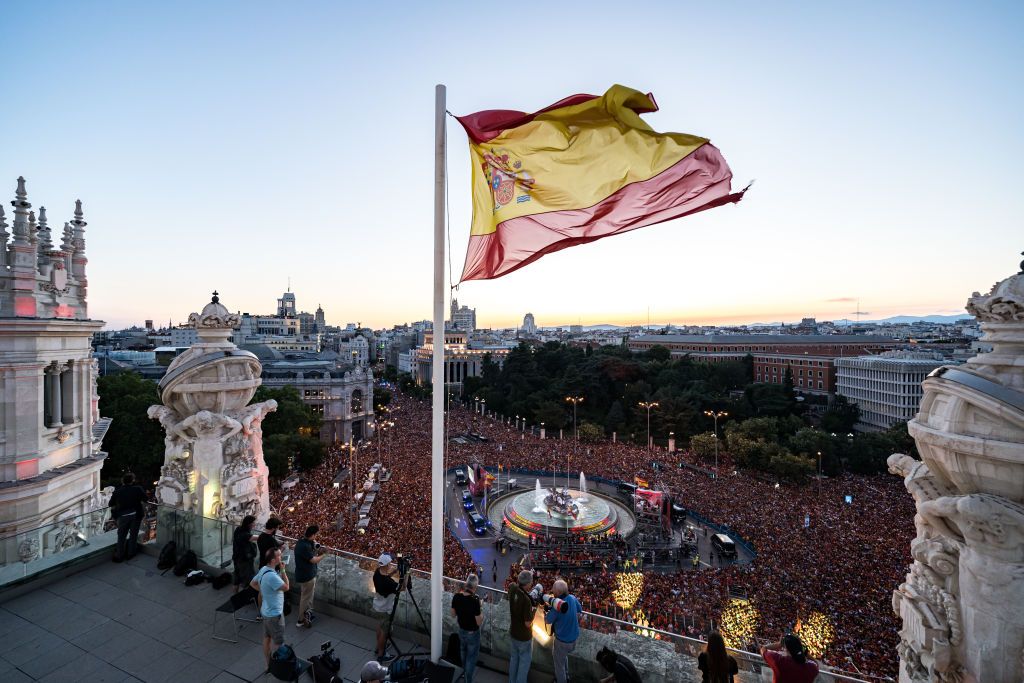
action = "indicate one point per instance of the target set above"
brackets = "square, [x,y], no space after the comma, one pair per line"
[768,427]
[135,443]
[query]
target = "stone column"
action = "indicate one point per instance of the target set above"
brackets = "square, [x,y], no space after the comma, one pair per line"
[54,371]
[68,386]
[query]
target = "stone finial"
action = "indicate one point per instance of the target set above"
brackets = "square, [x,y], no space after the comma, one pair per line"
[21,195]
[21,207]
[66,239]
[78,239]
[45,241]
[3,226]
[33,228]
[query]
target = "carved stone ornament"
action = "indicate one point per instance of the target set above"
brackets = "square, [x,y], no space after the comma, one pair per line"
[61,436]
[1004,303]
[28,550]
[215,316]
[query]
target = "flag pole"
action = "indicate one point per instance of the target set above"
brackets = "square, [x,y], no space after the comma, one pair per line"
[437,380]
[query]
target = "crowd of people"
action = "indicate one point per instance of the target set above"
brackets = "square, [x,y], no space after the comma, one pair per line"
[837,546]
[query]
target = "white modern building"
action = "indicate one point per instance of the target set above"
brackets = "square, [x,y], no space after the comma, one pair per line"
[886,387]
[529,325]
[50,428]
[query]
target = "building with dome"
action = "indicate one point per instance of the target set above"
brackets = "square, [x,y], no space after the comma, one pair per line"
[50,428]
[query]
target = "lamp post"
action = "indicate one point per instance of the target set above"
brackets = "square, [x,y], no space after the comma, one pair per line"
[483,407]
[715,415]
[574,400]
[648,405]
[819,477]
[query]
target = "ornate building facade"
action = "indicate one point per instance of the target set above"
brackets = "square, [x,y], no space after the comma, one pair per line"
[50,429]
[961,602]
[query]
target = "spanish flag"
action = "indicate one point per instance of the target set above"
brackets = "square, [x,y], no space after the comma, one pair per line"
[584,168]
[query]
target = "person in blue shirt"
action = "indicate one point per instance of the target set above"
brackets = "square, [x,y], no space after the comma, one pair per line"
[272,583]
[566,627]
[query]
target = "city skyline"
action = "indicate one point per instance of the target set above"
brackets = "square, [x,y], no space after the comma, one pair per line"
[246,160]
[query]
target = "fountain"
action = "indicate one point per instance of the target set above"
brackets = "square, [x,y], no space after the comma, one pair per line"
[560,510]
[582,498]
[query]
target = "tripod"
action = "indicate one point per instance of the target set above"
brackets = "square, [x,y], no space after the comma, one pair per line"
[404,587]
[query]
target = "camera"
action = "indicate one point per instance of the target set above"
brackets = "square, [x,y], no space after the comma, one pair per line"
[539,597]
[404,564]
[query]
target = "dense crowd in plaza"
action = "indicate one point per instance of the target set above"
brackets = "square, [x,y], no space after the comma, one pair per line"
[844,565]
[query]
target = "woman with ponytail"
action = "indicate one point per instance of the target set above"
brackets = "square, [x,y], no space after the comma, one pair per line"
[788,661]
[715,665]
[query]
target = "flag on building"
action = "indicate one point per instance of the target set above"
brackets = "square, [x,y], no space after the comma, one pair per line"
[584,168]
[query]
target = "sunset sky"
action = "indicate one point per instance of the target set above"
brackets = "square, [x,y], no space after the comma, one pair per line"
[234,145]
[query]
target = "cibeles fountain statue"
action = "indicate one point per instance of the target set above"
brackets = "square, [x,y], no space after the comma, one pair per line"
[962,604]
[213,445]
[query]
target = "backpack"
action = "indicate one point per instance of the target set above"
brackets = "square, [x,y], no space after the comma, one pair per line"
[221,581]
[284,665]
[168,556]
[195,578]
[186,563]
[325,667]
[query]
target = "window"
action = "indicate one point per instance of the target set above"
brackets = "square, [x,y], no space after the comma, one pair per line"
[819,385]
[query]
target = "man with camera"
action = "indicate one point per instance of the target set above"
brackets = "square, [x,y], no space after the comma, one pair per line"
[521,609]
[272,583]
[467,611]
[307,556]
[385,589]
[563,613]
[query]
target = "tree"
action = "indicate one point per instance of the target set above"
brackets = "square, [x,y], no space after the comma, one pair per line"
[134,443]
[551,413]
[391,373]
[658,353]
[276,452]
[381,396]
[808,442]
[590,432]
[291,416]
[840,416]
[789,467]
[703,445]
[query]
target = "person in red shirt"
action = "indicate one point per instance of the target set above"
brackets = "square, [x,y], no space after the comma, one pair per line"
[788,661]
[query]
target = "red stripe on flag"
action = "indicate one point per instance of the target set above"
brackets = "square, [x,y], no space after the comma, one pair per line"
[700,181]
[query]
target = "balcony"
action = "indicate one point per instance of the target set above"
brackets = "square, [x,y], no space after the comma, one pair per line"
[73,615]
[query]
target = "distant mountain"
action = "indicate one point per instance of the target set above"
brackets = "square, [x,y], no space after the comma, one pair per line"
[908,319]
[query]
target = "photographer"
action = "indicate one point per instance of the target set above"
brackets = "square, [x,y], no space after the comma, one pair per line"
[566,626]
[521,610]
[788,661]
[307,556]
[272,583]
[385,588]
[268,539]
[467,611]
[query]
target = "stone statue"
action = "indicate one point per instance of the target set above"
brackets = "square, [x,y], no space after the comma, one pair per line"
[205,414]
[961,602]
[207,432]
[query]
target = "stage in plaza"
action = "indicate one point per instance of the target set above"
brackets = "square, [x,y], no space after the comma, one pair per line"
[560,512]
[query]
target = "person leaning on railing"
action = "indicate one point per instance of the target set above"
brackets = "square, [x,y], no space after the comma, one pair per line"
[468,612]
[715,664]
[307,557]
[788,661]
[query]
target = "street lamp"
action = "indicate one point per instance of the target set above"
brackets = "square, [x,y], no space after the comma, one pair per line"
[715,415]
[483,407]
[819,476]
[648,405]
[574,400]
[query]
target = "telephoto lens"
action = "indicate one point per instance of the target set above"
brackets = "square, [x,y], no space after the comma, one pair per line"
[556,604]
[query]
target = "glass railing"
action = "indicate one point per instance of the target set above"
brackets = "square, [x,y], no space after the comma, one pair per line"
[62,542]
[344,580]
